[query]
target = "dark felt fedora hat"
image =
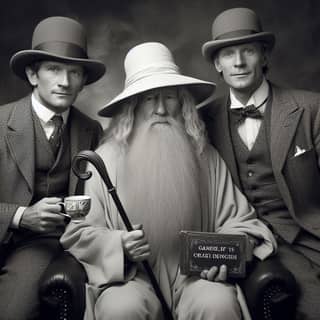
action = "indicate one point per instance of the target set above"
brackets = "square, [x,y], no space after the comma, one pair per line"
[236,26]
[59,39]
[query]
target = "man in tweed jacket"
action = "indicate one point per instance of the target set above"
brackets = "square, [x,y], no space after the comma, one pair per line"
[35,157]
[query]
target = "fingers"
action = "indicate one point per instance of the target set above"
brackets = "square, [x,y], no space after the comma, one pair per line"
[137,226]
[212,273]
[133,236]
[140,253]
[50,205]
[50,221]
[204,274]
[215,274]
[222,275]
[135,244]
[51,200]
[132,243]
[55,217]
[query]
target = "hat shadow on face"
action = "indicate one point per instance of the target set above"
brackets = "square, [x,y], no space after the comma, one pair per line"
[150,65]
[58,39]
[236,26]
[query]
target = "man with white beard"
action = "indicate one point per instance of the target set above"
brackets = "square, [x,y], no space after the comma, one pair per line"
[169,179]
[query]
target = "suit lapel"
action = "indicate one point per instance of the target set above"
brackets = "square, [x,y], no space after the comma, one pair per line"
[21,140]
[220,135]
[80,139]
[285,116]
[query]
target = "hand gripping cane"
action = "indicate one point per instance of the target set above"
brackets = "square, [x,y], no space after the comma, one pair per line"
[98,163]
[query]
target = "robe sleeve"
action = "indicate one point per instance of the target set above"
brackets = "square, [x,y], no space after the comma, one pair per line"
[96,242]
[229,210]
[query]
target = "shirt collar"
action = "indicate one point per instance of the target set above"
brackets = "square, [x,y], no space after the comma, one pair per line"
[44,113]
[257,97]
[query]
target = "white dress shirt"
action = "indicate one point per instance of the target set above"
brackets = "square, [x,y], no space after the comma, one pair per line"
[45,115]
[249,128]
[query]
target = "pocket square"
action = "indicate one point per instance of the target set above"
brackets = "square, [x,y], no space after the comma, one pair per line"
[298,151]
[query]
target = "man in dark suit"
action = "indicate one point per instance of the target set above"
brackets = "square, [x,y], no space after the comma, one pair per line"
[270,140]
[39,135]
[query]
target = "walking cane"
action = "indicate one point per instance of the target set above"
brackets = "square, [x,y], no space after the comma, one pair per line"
[98,163]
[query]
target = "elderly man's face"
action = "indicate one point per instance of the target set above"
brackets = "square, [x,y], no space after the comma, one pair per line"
[162,164]
[158,106]
[242,66]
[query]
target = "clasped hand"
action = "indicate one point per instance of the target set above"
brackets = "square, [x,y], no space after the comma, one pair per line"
[44,216]
[218,274]
[135,244]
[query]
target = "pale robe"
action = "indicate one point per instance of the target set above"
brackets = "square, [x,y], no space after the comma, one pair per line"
[96,242]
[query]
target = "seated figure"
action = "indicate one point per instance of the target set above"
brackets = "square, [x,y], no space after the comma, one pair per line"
[169,179]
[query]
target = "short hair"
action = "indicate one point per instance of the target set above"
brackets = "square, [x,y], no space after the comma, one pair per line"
[122,124]
[35,66]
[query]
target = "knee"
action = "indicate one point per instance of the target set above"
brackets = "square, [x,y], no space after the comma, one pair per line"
[222,304]
[122,308]
[217,302]
[108,308]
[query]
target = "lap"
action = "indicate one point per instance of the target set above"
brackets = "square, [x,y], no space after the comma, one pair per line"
[20,275]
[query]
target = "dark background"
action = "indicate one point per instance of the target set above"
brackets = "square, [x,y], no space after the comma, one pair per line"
[114,26]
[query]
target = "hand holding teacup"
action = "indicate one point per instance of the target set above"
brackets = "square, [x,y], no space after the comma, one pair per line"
[76,207]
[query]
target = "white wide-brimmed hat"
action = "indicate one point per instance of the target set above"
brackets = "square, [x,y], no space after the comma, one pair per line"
[236,26]
[149,66]
[60,39]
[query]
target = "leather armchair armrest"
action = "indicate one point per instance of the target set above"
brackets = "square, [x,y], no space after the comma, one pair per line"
[270,290]
[62,289]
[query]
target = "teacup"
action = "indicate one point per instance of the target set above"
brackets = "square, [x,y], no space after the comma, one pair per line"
[77,207]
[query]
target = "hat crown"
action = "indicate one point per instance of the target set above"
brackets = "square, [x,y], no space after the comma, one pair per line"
[148,59]
[235,20]
[55,34]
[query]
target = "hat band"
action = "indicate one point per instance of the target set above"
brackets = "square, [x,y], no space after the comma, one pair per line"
[62,49]
[235,34]
[151,71]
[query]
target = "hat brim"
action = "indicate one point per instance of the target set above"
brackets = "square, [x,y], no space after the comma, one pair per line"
[211,47]
[202,91]
[18,62]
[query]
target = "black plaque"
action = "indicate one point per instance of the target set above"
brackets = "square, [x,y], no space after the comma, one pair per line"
[202,250]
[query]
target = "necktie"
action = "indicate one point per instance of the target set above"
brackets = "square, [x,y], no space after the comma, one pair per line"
[250,111]
[55,138]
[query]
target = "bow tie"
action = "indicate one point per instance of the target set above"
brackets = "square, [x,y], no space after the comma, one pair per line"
[250,111]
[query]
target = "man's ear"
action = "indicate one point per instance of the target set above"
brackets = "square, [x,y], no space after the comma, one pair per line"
[266,53]
[217,64]
[32,76]
[266,58]
[84,80]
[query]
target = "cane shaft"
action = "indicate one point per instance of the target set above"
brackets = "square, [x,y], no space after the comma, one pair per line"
[98,163]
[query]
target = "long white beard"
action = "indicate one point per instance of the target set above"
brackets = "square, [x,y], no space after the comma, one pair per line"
[159,187]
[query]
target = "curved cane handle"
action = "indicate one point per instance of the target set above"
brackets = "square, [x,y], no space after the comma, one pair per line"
[95,159]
